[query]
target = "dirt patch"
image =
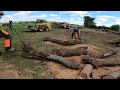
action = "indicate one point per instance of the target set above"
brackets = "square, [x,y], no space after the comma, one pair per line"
[8,72]
[96,74]
[61,72]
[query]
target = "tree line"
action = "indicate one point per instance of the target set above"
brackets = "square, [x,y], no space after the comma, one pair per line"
[89,23]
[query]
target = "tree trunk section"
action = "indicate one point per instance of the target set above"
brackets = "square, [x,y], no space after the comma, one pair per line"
[115,42]
[70,52]
[101,62]
[33,54]
[65,43]
[113,75]
[106,53]
[86,72]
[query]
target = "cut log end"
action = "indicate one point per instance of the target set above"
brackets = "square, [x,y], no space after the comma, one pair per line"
[83,75]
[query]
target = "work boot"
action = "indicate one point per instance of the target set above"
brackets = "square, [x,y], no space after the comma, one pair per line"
[12,49]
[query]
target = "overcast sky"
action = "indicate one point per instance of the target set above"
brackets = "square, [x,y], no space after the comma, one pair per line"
[106,18]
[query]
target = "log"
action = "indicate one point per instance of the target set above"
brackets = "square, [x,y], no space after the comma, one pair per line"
[101,62]
[115,42]
[86,72]
[70,52]
[65,43]
[33,54]
[113,75]
[106,53]
[116,33]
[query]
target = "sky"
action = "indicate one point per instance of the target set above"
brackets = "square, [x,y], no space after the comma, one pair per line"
[106,18]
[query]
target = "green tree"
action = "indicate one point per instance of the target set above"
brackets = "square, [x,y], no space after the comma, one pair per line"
[115,27]
[89,22]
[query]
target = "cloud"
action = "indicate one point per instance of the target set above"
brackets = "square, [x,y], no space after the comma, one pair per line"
[101,20]
[53,15]
[76,13]
[23,16]
[22,13]
[76,20]
[109,24]
[56,19]
[117,21]
[99,11]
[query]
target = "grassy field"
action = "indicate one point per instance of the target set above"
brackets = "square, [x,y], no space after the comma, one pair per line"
[33,69]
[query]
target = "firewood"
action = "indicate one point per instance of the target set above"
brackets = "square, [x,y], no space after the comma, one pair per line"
[86,72]
[113,75]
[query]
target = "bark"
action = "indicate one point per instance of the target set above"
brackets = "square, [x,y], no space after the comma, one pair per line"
[65,43]
[113,75]
[70,52]
[81,67]
[115,42]
[101,62]
[33,54]
[106,53]
[86,72]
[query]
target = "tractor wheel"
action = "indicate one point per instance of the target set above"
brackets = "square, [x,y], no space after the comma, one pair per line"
[47,28]
[40,29]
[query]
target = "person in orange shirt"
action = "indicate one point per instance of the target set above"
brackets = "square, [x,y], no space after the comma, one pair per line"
[7,39]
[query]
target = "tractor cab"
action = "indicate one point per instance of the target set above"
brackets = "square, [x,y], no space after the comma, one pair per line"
[65,25]
[40,22]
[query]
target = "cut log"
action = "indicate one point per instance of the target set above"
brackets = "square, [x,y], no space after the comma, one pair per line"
[115,42]
[81,67]
[33,54]
[65,43]
[113,75]
[106,53]
[70,52]
[86,72]
[101,62]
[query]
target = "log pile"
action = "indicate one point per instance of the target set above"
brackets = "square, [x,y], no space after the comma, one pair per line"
[33,54]
[91,61]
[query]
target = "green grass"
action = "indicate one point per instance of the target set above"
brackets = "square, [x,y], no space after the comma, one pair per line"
[21,64]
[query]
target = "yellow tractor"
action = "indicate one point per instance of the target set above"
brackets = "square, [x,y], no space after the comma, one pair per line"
[40,25]
[65,25]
